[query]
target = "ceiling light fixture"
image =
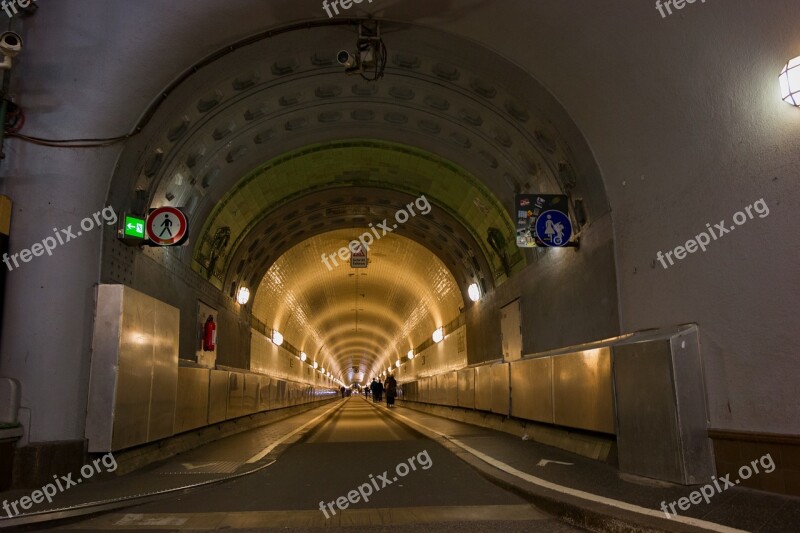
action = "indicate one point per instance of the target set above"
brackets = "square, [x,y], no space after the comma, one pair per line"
[790,82]
[243,295]
[438,335]
[474,292]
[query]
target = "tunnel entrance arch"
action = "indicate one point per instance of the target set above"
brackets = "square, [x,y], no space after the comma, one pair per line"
[284,99]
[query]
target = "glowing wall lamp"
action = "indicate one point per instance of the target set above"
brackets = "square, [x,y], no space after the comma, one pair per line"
[315,365]
[303,356]
[790,82]
[438,335]
[243,296]
[410,354]
[474,292]
[277,338]
[397,364]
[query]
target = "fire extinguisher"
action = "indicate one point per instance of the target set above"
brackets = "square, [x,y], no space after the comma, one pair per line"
[209,335]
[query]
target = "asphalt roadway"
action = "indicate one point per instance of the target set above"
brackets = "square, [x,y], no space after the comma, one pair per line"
[357,469]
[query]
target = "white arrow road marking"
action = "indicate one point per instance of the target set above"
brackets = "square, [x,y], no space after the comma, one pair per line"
[545,461]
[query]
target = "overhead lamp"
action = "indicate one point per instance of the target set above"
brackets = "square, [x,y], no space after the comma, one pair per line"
[322,369]
[410,354]
[277,338]
[790,82]
[474,292]
[315,365]
[303,356]
[397,364]
[243,295]
[438,335]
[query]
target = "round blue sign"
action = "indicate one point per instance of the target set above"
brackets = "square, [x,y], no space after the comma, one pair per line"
[553,228]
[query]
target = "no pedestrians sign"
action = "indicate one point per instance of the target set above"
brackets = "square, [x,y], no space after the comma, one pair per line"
[167,226]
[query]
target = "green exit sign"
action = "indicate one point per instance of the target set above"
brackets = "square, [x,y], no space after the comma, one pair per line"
[134,227]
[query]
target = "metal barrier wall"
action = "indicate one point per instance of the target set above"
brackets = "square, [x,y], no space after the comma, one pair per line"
[140,394]
[646,388]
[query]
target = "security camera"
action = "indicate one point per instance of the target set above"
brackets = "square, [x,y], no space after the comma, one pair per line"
[10,46]
[369,58]
[346,59]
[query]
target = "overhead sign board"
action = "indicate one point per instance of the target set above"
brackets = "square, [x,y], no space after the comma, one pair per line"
[556,229]
[167,226]
[358,258]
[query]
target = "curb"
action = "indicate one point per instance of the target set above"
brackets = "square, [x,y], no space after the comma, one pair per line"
[575,511]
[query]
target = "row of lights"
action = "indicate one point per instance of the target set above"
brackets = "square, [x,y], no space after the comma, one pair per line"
[277,340]
[243,296]
[474,291]
[438,336]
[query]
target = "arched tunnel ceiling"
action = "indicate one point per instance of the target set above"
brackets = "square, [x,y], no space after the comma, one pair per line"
[243,140]
[355,207]
[440,94]
[366,318]
[341,174]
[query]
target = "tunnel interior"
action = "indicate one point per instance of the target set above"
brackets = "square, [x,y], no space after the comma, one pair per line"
[280,162]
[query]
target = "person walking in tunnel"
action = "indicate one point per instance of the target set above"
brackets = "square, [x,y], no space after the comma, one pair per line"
[377,390]
[341,389]
[391,390]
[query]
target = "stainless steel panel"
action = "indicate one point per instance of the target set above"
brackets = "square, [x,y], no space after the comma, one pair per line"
[532,389]
[192,402]
[134,381]
[235,395]
[582,390]
[466,388]
[411,391]
[263,393]
[661,409]
[451,388]
[500,389]
[483,388]
[250,394]
[135,367]
[217,395]
[100,412]
[281,394]
[423,390]
[164,388]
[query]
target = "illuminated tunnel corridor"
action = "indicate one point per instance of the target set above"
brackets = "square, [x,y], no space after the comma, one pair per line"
[224,225]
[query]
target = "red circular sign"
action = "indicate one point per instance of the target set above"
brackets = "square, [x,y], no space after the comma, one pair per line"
[166,226]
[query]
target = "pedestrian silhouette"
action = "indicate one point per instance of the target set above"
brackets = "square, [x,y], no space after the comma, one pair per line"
[166,225]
